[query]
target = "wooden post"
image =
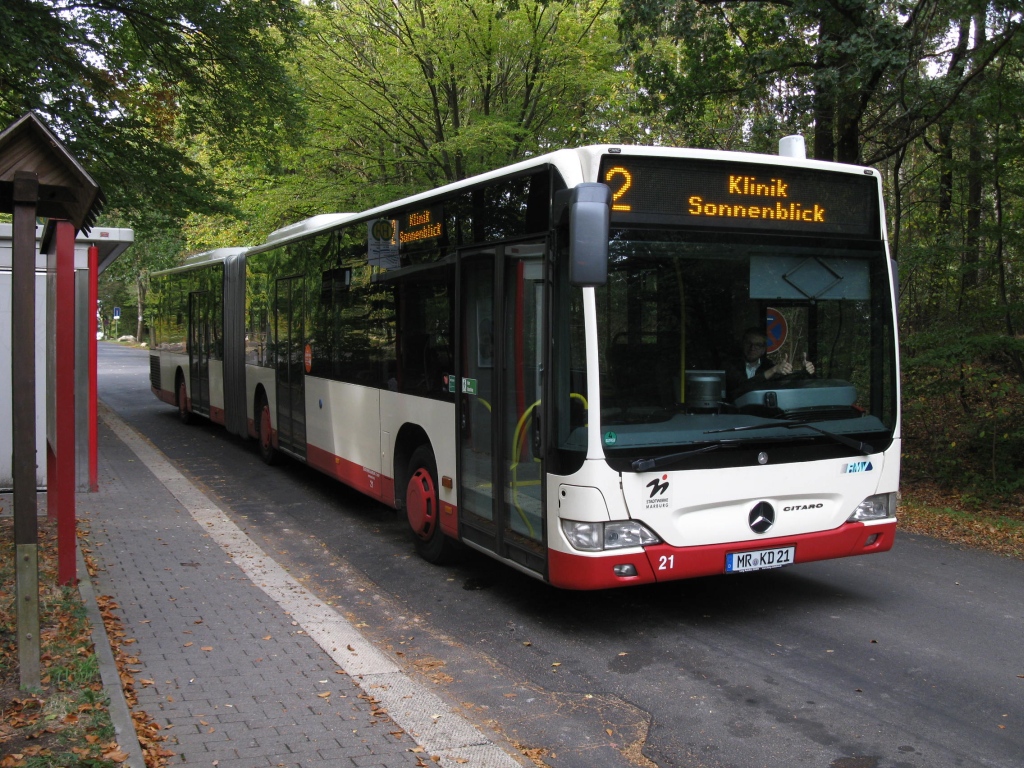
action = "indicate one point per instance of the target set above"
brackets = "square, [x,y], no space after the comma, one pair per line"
[23,423]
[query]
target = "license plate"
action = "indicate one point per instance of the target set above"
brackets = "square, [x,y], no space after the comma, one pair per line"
[759,559]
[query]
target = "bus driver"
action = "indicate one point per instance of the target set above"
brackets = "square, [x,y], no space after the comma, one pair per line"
[756,368]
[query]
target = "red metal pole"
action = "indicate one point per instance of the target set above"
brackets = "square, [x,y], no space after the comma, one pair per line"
[94,276]
[65,403]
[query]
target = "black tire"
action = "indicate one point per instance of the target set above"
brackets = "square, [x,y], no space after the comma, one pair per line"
[264,434]
[423,509]
[184,414]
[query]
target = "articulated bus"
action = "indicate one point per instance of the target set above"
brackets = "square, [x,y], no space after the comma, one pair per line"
[536,362]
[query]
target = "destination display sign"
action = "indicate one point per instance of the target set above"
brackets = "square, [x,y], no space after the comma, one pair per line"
[707,193]
[420,225]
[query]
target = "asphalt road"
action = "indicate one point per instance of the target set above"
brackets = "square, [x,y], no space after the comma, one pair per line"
[910,658]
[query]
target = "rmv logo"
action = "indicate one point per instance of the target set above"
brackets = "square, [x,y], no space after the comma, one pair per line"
[858,466]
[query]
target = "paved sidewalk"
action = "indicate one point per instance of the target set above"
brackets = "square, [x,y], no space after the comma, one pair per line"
[242,665]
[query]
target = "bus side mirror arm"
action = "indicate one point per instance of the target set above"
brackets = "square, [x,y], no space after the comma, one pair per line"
[589,210]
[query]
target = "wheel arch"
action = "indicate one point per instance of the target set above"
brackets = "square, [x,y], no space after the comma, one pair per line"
[179,379]
[409,438]
[259,396]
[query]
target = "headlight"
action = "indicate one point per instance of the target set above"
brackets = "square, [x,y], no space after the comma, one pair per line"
[874,508]
[595,537]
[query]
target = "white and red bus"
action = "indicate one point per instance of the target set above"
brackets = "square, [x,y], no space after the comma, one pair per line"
[536,362]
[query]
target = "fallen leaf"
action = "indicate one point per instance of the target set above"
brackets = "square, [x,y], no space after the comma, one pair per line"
[116,755]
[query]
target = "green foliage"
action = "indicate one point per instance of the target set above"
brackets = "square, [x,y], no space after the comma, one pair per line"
[158,245]
[963,428]
[404,96]
[122,81]
[862,77]
[438,90]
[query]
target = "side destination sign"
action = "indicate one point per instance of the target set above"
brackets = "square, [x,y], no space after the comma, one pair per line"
[420,225]
[707,193]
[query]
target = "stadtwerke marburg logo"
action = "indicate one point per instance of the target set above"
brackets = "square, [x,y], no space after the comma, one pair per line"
[659,498]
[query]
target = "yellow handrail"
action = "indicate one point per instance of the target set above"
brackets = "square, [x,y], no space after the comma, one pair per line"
[517,446]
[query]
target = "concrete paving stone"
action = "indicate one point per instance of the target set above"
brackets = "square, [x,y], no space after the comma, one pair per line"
[275,724]
[237,762]
[203,738]
[338,754]
[254,752]
[302,728]
[182,726]
[373,761]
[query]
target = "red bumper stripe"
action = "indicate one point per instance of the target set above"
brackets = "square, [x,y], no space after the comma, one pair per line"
[662,562]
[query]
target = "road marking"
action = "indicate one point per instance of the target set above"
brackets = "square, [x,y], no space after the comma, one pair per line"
[413,707]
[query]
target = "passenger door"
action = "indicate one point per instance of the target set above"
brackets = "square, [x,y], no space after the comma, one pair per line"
[289,298]
[501,377]
[200,338]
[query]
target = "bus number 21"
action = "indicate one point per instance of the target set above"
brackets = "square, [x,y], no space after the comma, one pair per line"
[666,562]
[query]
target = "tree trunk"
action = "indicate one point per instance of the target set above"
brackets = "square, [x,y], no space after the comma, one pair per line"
[972,239]
[824,107]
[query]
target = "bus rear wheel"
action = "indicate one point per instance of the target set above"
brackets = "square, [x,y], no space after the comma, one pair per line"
[422,509]
[266,439]
[184,414]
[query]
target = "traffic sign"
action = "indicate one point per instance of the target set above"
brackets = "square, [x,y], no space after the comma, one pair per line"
[776,329]
[117,313]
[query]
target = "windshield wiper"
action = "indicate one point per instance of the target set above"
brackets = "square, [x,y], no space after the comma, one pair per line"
[646,465]
[849,442]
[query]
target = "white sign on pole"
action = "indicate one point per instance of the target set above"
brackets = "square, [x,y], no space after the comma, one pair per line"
[382,236]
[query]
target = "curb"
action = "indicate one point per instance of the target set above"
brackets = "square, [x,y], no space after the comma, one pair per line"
[124,726]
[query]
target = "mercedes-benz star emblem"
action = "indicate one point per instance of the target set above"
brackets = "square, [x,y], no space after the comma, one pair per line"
[761,517]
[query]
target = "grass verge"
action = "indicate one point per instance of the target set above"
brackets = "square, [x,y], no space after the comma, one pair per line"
[66,723]
[927,510]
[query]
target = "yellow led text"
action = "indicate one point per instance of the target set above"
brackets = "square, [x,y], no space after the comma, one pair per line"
[627,182]
[425,233]
[749,185]
[425,228]
[778,212]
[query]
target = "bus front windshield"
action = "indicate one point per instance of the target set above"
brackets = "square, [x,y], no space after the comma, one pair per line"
[696,336]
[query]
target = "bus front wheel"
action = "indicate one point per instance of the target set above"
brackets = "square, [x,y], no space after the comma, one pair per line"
[422,509]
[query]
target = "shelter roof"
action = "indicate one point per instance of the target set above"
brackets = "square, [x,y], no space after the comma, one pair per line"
[66,190]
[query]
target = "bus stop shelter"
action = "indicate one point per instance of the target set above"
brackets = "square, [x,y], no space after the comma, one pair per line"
[39,178]
[109,242]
